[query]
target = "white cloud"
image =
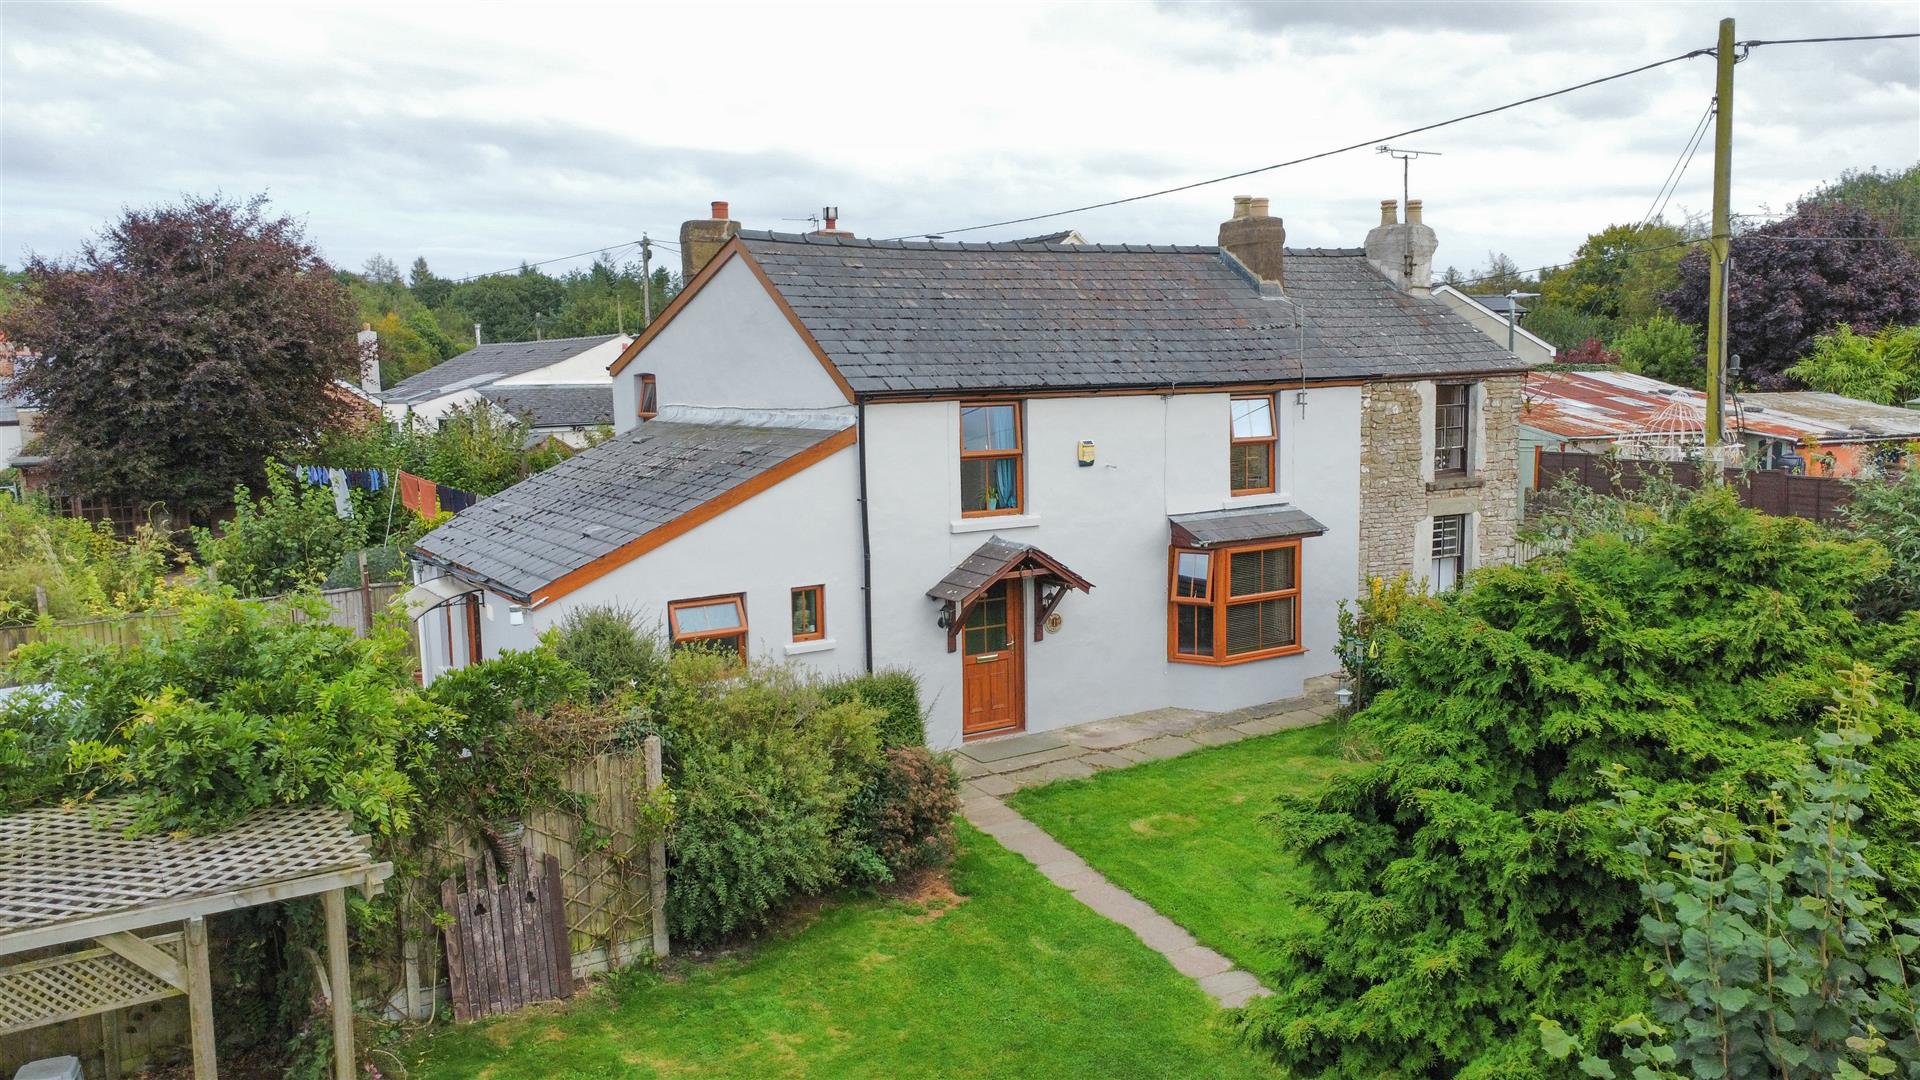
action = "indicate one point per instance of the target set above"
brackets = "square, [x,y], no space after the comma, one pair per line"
[481,135]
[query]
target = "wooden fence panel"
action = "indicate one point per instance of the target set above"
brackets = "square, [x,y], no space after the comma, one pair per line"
[1783,494]
[507,939]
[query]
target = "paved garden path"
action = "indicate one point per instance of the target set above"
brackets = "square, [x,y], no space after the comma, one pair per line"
[998,767]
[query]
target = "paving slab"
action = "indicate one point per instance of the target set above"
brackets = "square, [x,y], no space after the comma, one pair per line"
[1217,737]
[1131,754]
[1265,725]
[1009,746]
[967,767]
[1106,759]
[1072,769]
[1165,746]
[993,784]
[1198,962]
[1038,757]
[1233,989]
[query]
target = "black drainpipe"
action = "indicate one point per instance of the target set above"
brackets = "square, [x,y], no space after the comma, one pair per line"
[866,537]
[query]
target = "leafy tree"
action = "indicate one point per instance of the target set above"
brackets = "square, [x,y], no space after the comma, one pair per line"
[505,304]
[1500,274]
[428,287]
[1663,348]
[1887,511]
[288,539]
[1774,952]
[1618,274]
[1883,368]
[1467,878]
[175,355]
[478,448]
[1891,197]
[1563,326]
[381,270]
[1802,276]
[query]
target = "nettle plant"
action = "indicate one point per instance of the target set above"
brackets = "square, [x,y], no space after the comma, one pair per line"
[1770,949]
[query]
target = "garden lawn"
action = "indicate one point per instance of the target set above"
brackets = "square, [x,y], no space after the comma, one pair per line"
[1186,835]
[1012,978]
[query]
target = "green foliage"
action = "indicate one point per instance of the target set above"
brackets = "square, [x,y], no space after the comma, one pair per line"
[1570,511]
[84,569]
[1360,645]
[1663,348]
[474,448]
[514,725]
[1565,327]
[616,654]
[1886,510]
[1884,368]
[896,694]
[1891,198]
[1619,274]
[242,705]
[903,819]
[1773,952]
[765,770]
[288,539]
[1466,878]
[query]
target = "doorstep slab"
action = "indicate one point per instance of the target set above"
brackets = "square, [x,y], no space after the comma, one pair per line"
[1069,769]
[1028,761]
[1010,746]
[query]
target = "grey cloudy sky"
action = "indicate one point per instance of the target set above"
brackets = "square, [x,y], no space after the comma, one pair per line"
[481,135]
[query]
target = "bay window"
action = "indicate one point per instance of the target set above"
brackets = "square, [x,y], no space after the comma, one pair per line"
[1232,605]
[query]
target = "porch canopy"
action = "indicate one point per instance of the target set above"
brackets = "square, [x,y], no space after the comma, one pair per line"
[1242,525]
[72,875]
[993,562]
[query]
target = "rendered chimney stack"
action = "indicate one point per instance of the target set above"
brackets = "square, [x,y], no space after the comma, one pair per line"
[700,240]
[369,342]
[1256,239]
[1403,252]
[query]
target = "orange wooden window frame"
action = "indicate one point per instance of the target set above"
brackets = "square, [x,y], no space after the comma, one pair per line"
[1018,454]
[1270,441]
[649,399]
[739,601]
[1219,599]
[819,630]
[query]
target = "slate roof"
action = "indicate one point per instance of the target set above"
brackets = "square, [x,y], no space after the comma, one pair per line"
[990,562]
[550,405]
[557,521]
[1242,523]
[1498,303]
[489,363]
[904,317]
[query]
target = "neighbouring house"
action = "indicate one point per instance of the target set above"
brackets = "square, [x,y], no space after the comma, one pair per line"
[431,394]
[569,414]
[1618,411]
[1058,482]
[1499,317]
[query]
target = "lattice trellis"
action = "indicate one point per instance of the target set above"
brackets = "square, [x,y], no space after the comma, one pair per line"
[82,983]
[59,863]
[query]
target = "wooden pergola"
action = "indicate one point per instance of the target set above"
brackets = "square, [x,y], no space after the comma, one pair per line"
[71,876]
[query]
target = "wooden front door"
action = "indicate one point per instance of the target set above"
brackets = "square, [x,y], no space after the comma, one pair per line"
[993,683]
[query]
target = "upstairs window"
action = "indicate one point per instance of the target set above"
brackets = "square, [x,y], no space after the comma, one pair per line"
[1449,552]
[991,465]
[1251,469]
[649,397]
[1452,416]
[809,623]
[713,622]
[1232,605]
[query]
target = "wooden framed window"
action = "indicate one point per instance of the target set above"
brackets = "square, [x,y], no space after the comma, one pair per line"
[710,622]
[1452,426]
[1254,434]
[1449,551]
[809,613]
[649,396]
[1232,605]
[992,467]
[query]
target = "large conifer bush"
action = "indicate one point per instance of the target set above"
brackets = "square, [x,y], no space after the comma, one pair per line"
[1469,877]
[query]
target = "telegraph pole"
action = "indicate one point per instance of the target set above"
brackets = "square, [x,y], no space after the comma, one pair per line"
[646,271]
[1720,245]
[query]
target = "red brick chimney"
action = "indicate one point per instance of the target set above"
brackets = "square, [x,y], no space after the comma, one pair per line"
[701,240]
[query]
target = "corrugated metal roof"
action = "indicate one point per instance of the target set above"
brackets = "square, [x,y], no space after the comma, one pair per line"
[1621,404]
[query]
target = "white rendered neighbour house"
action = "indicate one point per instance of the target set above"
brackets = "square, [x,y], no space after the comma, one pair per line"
[551,384]
[1057,482]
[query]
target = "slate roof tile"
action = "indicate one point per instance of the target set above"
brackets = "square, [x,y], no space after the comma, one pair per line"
[498,360]
[555,404]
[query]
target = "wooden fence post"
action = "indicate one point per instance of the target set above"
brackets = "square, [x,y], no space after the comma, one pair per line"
[656,855]
[366,599]
[339,981]
[199,999]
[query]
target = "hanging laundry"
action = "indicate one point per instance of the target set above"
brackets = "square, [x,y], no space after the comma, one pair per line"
[342,502]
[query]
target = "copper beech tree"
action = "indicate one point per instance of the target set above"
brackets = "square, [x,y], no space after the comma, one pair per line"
[180,350]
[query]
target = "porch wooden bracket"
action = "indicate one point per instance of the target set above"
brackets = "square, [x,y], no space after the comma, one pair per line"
[1051,593]
[995,561]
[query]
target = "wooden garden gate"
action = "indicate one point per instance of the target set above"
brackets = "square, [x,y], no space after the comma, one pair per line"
[507,946]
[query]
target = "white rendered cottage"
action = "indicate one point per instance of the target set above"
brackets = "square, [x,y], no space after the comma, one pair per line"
[1058,482]
[551,384]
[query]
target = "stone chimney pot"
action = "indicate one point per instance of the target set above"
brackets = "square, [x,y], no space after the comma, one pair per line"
[1389,211]
[1413,211]
[1242,206]
[1259,207]
[1403,253]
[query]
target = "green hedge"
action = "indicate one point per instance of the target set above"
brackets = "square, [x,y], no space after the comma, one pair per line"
[895,692]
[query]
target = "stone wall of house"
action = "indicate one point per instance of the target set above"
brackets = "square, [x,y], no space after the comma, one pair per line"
[1398,494]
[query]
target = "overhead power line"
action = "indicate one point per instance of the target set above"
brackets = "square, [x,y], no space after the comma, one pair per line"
[1679,170]
[1740,238]
[545,262]
[1364,144]
[1822,40]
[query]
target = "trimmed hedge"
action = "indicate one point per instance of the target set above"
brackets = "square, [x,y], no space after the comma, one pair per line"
[895,692]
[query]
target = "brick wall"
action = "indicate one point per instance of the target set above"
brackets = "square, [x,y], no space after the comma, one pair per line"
[1398,495]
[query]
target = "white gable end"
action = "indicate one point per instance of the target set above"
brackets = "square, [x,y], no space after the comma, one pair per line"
[730,347]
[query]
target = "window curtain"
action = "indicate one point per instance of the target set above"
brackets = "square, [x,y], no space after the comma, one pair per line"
[1003,479]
